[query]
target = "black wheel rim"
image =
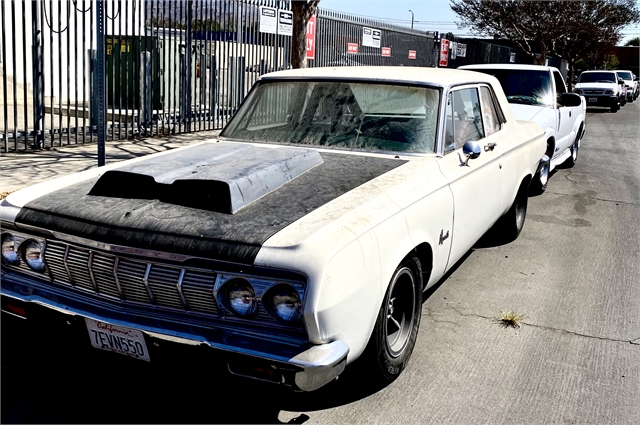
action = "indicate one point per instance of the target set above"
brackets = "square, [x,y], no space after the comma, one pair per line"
[400,311]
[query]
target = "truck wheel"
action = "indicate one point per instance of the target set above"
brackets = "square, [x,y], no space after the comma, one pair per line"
[571,161]
[396,328]
[541,179]
[508,227]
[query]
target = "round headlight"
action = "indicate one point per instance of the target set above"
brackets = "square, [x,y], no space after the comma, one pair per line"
[241,298]
[284,303]
[31,253]
[9,253]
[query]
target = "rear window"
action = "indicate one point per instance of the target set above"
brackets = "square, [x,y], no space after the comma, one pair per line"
[524,86]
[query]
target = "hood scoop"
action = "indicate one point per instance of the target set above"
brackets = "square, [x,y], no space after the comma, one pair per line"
[220,177]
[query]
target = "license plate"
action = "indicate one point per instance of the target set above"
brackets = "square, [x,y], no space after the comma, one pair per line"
[593,99]
[118,339]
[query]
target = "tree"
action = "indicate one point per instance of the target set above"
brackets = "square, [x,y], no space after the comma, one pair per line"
[302,11]
[633,42]
[592,31]
[525,23]
[569,29]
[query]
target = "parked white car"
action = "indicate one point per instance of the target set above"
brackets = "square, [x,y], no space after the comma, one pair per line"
[630,82]
[539,94]
[601,88]
[299,241]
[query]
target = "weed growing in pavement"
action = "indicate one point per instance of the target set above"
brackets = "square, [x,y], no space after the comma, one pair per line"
[510,319]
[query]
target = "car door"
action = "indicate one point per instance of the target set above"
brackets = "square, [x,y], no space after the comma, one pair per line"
[566,116]
[477,186]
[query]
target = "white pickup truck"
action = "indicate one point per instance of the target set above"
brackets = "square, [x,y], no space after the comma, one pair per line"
[539,94]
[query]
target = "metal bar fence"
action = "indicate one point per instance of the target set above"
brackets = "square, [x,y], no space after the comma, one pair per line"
[171,66]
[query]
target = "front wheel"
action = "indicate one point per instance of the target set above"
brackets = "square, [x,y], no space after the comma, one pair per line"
[571,161]
[508,227]
[396,328]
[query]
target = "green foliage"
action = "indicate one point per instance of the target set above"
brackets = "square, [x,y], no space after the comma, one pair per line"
[633,42]
[569,29]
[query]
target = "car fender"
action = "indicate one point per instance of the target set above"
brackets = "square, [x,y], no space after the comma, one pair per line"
[349,260]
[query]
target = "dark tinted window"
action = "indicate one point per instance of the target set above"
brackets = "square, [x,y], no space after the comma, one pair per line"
[524,86]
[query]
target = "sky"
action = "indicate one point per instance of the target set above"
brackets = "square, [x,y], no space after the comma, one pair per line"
[429,15]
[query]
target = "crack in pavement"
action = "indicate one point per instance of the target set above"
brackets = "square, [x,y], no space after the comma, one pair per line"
[594,198]
[635,341]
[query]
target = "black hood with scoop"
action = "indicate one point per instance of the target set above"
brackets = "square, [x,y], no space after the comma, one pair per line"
[216,200]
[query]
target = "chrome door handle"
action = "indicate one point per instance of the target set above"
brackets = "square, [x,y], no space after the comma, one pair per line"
[490,146]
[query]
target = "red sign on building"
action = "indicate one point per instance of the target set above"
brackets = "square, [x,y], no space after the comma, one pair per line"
[352,48]
[386,51]
[444,52]
[311,37]
[412,54]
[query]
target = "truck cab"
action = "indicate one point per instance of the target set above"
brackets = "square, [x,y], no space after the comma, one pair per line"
[539,94]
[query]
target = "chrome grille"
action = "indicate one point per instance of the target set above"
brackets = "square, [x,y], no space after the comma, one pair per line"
[594,92]
[91,268]
[130,280]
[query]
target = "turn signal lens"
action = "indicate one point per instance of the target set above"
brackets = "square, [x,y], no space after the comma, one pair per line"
[9,253]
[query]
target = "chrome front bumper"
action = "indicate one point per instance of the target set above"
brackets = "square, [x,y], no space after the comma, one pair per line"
[304,367]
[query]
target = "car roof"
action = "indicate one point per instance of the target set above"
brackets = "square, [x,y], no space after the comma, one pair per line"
[509,66]
[421,75]
[598,70]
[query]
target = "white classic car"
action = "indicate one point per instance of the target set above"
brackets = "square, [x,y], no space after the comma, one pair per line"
[538,93]
[300,240]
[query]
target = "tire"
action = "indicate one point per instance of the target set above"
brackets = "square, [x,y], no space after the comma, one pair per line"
[615,109]
[540,181]
[508,227]
[396,329]
[571,161]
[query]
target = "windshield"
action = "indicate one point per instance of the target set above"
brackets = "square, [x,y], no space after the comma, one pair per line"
[524,86]
[625,75]
[597,77]
[340,114]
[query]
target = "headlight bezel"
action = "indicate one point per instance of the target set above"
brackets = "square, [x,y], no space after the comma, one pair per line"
[37,265]
[270,304]
[264,287]
[16,260]
[235,284]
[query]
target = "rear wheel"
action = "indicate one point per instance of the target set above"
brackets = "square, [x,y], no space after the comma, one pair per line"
[396,328]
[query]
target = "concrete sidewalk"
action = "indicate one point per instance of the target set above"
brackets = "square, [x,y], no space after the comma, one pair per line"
[19,170]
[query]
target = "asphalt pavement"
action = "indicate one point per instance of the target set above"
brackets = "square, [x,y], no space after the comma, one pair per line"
[574,274]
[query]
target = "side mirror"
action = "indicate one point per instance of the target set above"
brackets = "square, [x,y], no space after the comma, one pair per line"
[471,150]
[569,99]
